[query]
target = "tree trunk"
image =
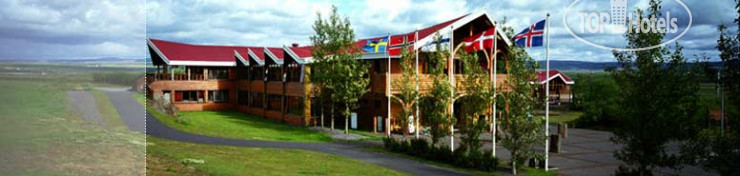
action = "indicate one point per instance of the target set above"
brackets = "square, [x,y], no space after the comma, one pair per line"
[322,114]
[346,119]
[331,114]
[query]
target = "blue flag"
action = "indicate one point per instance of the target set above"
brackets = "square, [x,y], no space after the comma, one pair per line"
[375,46]
[531,36]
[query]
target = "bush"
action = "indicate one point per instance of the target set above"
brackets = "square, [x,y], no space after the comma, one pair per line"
[596,96]
[460,157]
[419,146]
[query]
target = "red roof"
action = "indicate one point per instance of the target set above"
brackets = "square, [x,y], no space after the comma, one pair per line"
[302,52]
[278,52]
[553,74]
[174,51]
[187,52]
[259,53]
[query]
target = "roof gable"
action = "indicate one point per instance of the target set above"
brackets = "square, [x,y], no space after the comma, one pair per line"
[275,54]
[542,78]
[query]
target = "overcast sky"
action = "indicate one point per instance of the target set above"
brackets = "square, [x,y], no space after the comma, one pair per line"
[117,28]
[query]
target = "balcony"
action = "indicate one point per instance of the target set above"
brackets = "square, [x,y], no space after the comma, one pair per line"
[378,82]
[174,77]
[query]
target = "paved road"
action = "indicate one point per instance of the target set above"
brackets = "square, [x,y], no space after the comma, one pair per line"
[131,112]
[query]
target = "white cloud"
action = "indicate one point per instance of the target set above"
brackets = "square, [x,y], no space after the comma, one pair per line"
[38,28]
[72,29]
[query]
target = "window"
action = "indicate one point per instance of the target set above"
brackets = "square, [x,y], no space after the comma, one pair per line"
[274,102]
[294,105]
[459,67]
[256,98]
[218,95]
[428,65]
[218,73]
[241,97]
[378,67]
[294,72]
[275,73]
[315,107]
[188,96]
[241,73]
[256,73]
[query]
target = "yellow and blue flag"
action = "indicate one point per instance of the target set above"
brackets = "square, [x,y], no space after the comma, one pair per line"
[375,46]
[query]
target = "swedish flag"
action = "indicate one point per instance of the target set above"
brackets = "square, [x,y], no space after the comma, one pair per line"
[375,46]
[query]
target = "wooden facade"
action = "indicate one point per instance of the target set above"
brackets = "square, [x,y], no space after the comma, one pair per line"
[273,82]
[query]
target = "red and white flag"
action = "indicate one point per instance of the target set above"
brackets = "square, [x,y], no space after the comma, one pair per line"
[480,41]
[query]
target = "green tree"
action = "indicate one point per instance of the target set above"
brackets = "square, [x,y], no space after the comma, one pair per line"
[657,100]
[709,148]
[408,96]
[596,96]
[729,48]
[336,69]
[521,128]
[478,96]
[438,114]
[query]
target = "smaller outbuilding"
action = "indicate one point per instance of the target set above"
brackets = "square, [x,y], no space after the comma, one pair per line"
[560,86]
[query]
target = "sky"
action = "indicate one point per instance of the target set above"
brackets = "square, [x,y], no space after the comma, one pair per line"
[69,29]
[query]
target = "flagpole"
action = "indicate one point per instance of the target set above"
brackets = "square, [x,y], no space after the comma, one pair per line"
[547,91]
[451,76]
[416,64]
[388,85]
[493,123]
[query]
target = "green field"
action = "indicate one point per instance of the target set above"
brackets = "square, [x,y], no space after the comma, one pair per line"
[238,125]
[42,134]
[140,98]
[228,160]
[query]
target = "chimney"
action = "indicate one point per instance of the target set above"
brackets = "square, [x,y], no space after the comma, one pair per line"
[295,45]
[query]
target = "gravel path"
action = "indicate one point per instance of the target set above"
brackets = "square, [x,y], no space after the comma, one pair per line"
[84,101]
[131,113]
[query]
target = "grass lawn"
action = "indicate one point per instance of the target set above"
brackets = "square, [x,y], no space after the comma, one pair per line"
[570,116]
[109,112]
[560,116]
[140,98]
[379,149]
[238,125]
[42,135]
[229,160]
[537,172]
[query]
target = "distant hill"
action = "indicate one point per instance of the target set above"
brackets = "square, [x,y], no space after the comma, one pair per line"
[590,66]
[94,60]
[577,65]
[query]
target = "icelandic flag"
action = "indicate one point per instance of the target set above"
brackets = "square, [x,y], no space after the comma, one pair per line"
[375,46]
[532,36]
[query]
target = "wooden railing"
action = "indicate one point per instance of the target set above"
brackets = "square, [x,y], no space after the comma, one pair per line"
[378,82]
[175,77]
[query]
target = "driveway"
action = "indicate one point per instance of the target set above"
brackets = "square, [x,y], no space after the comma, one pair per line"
[133,115]
[84,101]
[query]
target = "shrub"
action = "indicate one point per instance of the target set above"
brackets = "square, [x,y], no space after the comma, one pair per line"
[460,157]
[419,147]
[488,162]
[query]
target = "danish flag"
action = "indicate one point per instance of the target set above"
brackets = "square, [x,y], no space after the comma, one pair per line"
[480,41]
